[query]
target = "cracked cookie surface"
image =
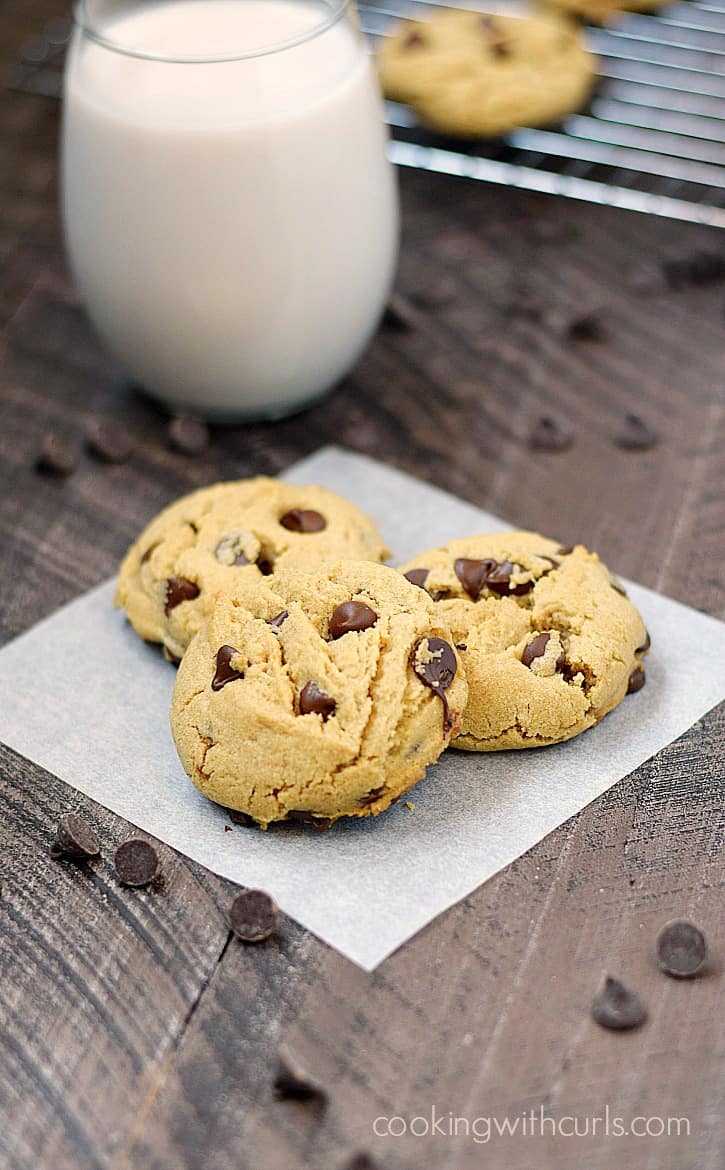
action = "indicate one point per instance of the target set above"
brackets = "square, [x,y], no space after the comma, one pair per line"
[230,536]
[548,639]
[475,74]
[319,695]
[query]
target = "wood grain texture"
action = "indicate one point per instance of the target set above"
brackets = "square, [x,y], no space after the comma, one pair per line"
[133,1031]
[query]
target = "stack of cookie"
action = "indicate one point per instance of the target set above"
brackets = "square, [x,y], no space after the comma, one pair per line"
[316,682]
[475,75]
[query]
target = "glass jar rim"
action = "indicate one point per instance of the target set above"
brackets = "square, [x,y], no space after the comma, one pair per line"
[82,21]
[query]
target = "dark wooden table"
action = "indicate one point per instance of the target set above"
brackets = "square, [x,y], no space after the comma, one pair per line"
[133,1032]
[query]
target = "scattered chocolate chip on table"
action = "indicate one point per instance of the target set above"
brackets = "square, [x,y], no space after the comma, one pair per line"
[617,1007]
[136,862]
[681,949]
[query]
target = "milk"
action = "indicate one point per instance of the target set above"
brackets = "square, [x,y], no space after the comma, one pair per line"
[231,226]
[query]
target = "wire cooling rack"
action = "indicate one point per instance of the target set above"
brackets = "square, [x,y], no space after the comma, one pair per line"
[652,138]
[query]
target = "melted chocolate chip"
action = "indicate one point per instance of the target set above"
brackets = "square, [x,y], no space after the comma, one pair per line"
[294,1079]
[636,680]
[56,456]
[371,796]
[136,862]
[536,648]
[494,36]
[224,670]
[681,949]
[179,589]
[303,520]
[434,662]
[188,435]
[278,619]
[473,574]
[253,916]
[149,553]
[645,645]
[351,617]
[229,550]
[499,581]
[548,434]
[74,840]
[414,40]
[305,817]
[417,577]
[635,434]
[265,566]
[313,701]
[616,1007]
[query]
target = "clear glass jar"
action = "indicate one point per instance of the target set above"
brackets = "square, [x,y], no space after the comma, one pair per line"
[230,213]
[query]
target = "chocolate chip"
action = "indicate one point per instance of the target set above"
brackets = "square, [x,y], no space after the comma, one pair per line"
[253,916]
[362,1161]
[400,315]
[565,550]
[645,645]
[681,949]
[493,33]
[136,862]
[170,657]
[617,585]
[536,649]
[440,595]
[351,617]
[472,574]
[417,577]
[303,520]
[313,701]
[414,40]
[265,566]
[225,673]
[635,435]
[229,550]
[74,839]
[636,680]
[461,646]
[149,552]
[188,435]
[108,441]
[700,268]
[548,434]
[616,1007]
[305,817]
[588,327]
[56,456]
[242,818]
[499,581]
[179,589]
[434,662]
[294,1079]
[371,796]
[278,619]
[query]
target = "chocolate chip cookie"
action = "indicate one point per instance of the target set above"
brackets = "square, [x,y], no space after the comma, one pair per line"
[230,536]
[548,638]
[478,75]
[321,695]
[597,11]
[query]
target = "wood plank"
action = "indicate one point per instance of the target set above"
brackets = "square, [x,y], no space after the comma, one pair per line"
[133,1032]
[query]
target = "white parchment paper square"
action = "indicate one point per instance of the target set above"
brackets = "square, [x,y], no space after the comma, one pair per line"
[95,714]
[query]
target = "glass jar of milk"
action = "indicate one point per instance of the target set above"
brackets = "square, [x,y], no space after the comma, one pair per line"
[230,215]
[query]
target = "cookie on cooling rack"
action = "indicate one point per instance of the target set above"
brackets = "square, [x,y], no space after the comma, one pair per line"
[476,75]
